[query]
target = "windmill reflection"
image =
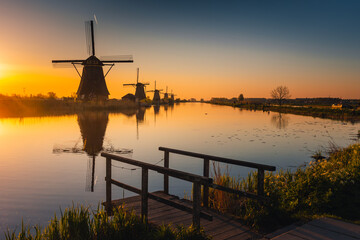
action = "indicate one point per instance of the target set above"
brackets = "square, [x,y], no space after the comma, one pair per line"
[280,121]
[92,127]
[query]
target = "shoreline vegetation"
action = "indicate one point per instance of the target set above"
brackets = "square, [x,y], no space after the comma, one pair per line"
[325,187]
[317,111]
[79,222]
[37,107]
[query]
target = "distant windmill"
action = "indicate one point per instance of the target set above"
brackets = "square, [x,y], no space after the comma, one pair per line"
[140,88]
[92,85]
[172,96]
[166,95]
[156,98]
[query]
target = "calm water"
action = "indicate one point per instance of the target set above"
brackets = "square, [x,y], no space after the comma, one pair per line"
[47,163]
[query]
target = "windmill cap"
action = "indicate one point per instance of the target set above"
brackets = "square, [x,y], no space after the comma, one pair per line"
[92,60]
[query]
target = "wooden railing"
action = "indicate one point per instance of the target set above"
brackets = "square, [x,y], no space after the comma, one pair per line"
[206,169]
[144,193]
[197,181]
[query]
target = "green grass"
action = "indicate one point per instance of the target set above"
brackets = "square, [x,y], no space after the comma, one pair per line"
[324,187]
[81,223]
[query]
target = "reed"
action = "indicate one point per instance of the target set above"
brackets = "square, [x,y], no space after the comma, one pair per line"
[79,222]
[327,186]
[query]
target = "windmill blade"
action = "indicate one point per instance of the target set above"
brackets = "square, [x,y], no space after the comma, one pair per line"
[129,84]
[89,34]
[69,61]
[116,58]
[65,63]
[96,21]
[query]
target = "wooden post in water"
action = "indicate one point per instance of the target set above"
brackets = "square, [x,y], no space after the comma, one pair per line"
[166,176]
[108,184]
[205,187]
[196,203]
[261,182]
[144,193]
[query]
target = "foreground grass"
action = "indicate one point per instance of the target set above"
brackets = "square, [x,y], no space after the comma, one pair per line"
[81,223]
[325,187]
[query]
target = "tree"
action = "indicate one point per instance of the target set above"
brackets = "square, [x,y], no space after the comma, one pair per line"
[280,94]
[52,95]
[241,97]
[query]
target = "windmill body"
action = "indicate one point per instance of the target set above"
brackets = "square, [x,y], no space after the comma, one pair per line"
[156,98]
[140,88]
[93,85]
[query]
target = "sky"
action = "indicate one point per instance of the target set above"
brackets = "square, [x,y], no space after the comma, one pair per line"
[198,49]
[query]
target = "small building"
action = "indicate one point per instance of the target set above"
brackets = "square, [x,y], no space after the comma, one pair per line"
[129,97]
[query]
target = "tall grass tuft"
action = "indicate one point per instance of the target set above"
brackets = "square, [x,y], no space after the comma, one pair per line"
[324,187]
[79,222]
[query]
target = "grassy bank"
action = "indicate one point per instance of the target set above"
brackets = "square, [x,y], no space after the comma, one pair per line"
[325,187]
[350,115]
[81,223]
[52,107]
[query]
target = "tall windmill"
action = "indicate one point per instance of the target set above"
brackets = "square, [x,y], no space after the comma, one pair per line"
[156,98]
[92,85]
[140,88]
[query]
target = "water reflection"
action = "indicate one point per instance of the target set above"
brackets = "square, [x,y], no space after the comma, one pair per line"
[92,127]
[280,121]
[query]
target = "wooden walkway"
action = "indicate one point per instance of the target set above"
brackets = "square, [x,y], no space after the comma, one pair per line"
[219,228]
[320,229]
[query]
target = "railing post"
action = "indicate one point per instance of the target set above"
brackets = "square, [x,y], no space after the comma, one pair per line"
[206,187]
[196,203]
[108,184]
[261,182]
[166,176]
[144,193]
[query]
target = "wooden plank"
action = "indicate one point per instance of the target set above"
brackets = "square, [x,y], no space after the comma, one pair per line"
[177,203]
[220,159]
[235,234]
[288,236]
[260,178]
[144,193]
[196,203]
[338,226]
[206,171]
[107,179]
[310,232]
[125,186]
[237,192]
[166,176]
[171,172]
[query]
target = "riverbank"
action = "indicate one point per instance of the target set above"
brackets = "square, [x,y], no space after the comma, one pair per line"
[53,107]
[82,223]
[328,187]
[349,115]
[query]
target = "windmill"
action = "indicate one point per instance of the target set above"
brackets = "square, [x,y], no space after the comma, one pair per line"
[166,95]
[172,96]
[92,85]
[156,98]
[140,88]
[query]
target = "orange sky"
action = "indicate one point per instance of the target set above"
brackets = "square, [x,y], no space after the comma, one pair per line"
[192,63]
